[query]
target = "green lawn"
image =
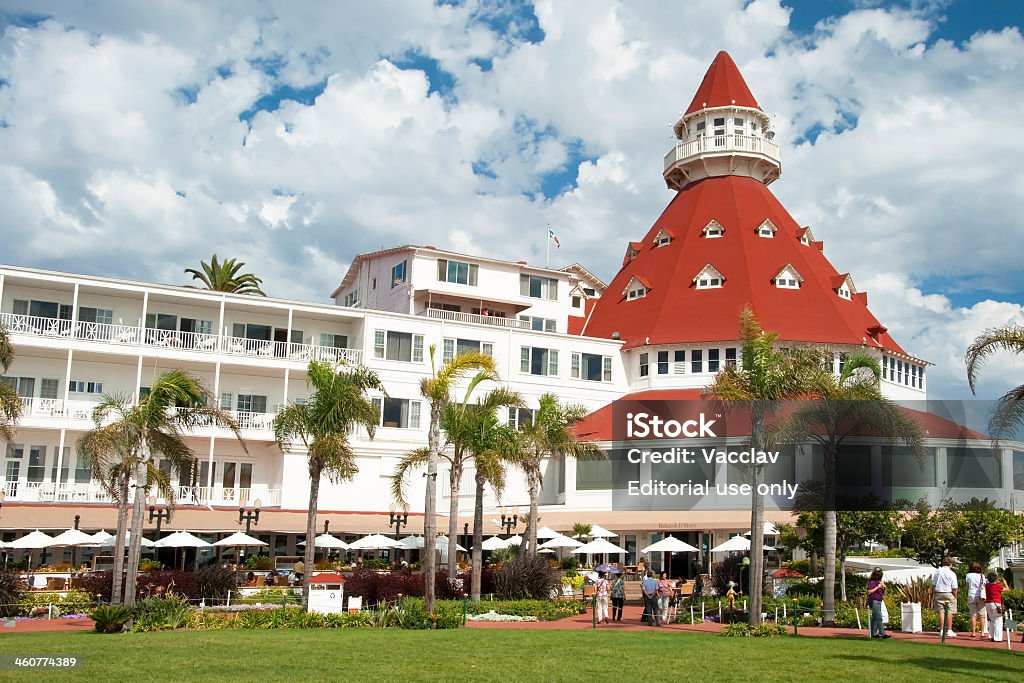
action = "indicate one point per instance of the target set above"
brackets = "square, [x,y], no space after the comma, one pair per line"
[496,655]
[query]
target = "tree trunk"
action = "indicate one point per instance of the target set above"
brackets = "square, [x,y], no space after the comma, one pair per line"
[813,563]
[756,521]
[829,583]
[478,539]
[430,509]
[309,553]
[455,479]
[138,512]
[534,519]
[117,590]
[842,574]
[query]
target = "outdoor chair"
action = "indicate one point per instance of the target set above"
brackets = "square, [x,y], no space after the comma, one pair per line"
[589,591]
[355,604]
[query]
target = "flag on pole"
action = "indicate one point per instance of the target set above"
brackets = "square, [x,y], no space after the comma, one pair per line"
[552,235]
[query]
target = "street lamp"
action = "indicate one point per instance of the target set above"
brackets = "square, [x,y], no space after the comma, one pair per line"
[162,515]
[398,520]
[509,521]
[250,514]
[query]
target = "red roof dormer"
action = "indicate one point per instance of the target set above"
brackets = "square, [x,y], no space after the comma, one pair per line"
[723,86]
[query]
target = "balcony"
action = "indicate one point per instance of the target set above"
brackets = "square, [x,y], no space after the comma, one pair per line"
[713,145]
[197,342]
[493,320]
[57,408]
[70,492]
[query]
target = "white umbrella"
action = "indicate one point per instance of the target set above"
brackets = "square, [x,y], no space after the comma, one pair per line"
[547,532]
[73,537]
[374,542]
[598,531]
[442,542]
[598,546]
[493,543]
[182,539]
[412,543]
[561,542]
[514,540]
[100,536]
[237,539]
[110,542]
[769,530]
[545,550]
[33,541]
[327,541]
[670,544]
[734,544]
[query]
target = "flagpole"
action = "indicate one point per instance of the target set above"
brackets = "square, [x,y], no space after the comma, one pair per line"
[547,247]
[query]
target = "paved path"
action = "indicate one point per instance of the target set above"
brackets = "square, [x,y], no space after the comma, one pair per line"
[631,622]
[30,625]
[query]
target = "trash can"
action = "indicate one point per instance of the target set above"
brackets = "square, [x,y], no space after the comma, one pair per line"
[326,593]
[911,615]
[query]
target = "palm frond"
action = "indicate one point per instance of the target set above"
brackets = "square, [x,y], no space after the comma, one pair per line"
[410,461]
[1009,338]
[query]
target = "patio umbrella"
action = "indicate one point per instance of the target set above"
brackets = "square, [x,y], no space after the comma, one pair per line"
[36,540]
[493,543]
[514,540]
[183,539]
[736,544]
[597,546]
[769,530]
[547,532]
[442,542]
[598,531]
[72,538]
[671,544]
[100,536]
[374,542]
[238,540]
[326,541]
[417,543]
[109,543]
[560,542]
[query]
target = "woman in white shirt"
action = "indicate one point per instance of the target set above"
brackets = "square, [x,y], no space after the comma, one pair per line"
[976,598]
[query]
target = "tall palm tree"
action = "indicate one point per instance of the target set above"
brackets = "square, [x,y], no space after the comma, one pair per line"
[1008,413]
[767,376]
[549,435]
[581,530]
[437,389]
[844,404]
[460,424]
[131,434]
[10,404]
[338,404]
[223,276]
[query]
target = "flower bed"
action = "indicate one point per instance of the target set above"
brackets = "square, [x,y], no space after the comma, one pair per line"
[494,616]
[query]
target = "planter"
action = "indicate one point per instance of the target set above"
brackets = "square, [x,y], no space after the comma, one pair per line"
[911,614]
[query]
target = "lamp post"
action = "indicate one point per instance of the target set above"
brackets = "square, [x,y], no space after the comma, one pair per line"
[162,515]
[509,521]
[398,519]
[250,514]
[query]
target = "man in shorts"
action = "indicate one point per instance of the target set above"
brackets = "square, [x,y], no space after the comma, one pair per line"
[945,594]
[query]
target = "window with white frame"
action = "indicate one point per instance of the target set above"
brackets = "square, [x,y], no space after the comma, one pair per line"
[48,388]
[730,357]
[402,346]
[635,289]
[662,362]
[845,289]
[788,278]
[351,299]
[844,292]
[520,417]
[78,386]
[457,272]
[713,229]
[539,324]
[738,125]
[400,413]
[452,347]
[709,278]
[696,361]
[645,368]
[713,359]
[662,238]
[252,403]
[592,367]
[679,362]
[398,273]
[89,314]
[766,229]
[333,341]
[534,360]
[537,287]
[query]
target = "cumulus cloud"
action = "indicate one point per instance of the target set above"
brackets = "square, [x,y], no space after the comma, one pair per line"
[139,140]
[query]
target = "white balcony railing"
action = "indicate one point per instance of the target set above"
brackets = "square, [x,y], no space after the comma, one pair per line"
[198,342]
[245,419]
[70,492]
[57,408]
[441,314]
[721,144]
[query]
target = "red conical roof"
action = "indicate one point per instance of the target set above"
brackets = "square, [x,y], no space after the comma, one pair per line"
[673,311]
[723,85]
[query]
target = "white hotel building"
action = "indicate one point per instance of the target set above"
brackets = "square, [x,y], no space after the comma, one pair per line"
[661,330]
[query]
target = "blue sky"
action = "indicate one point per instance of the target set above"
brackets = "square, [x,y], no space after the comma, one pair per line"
[287,135]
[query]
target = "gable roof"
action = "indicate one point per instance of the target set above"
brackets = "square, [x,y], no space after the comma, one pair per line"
[723,86]
[811,314]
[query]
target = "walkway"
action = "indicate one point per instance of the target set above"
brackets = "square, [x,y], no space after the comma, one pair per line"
[631,622]
[30,625]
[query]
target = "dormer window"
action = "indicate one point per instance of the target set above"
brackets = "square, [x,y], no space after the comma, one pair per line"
[637,288]
[788,278]
[806,237]
[843,286]
[709,278]
[713,229]
[766,229]
[662,238]
[632,249]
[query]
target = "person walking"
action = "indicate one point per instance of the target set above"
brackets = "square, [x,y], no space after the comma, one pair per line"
[649,586]
[601,591]
[664,596]
[945,595]
[876,596]
[976,600]
[994,606]
[618,597]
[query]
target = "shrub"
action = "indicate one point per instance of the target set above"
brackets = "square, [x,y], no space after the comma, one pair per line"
[802,566]
[767,631]
[111,618]
[525,577]
[737,630]
[164,613]
[12,588]
[1014,599]
[725,571]
[213,582]
[270,596]
[99,585]
[544,610]
[73,602]
[855,586]
[570,562]
[574,581]
[149,564]
[919,590]
[808,620]
[376,563]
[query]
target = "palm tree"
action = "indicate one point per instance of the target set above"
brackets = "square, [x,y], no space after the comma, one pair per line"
[1008,412]
[460,423]
[130,434]
[767,376]
[581,530]
[10,404]
[437,389]
[223,276]
[549,435]
[495,445]
[338,404]
[850,403]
